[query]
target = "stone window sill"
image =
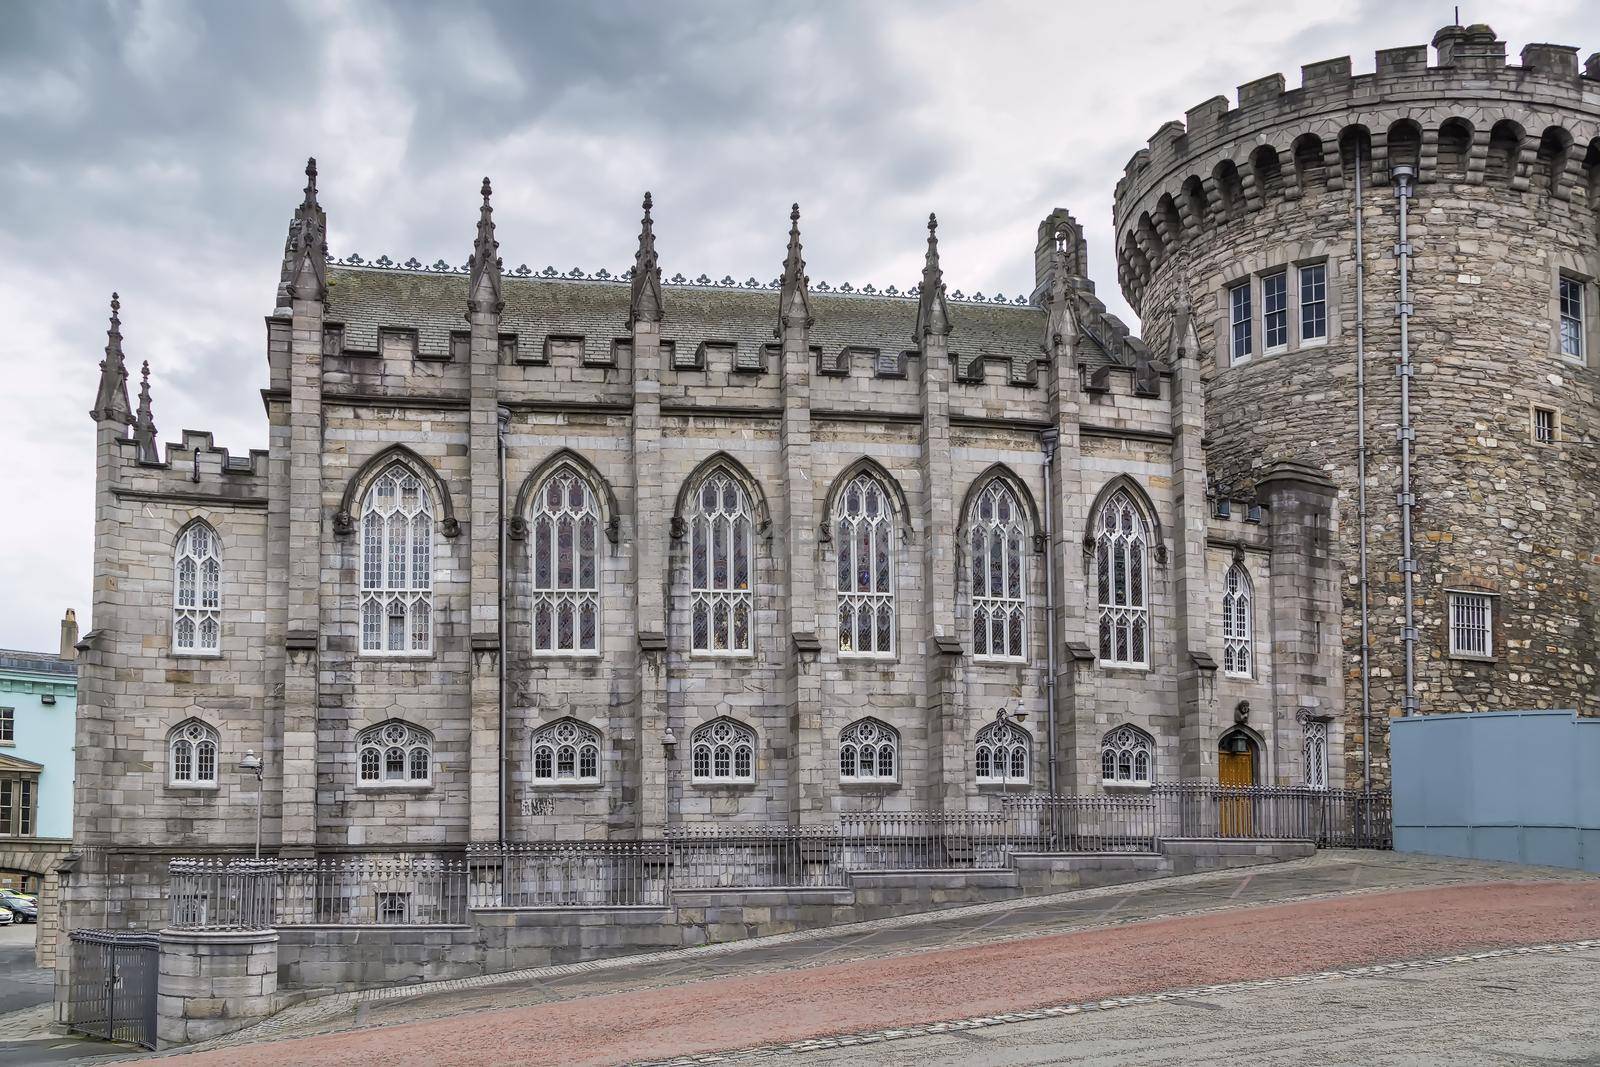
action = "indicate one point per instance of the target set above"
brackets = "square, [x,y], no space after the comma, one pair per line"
[724,787]
[560,786]
[196,655]
[380,788]
[1003,787]
[1136,787]
[868,786]
[1463,657]
[192,787]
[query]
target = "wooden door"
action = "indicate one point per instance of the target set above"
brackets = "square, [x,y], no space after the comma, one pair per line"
[1235,769]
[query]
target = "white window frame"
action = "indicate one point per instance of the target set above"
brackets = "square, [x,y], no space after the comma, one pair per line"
[997,746]
[1123,547]
[554,741]
[1129,755]
[715,749]
[193,753]
[563,597]
[382,742]
[8,726]
[1316,754]
[997,539]
[1534,427]
[1316,276]
[728,526]
[1241,322]
[1275,317]
[1238,623]
[197,592]
[1572,311]
[867,740]
[1471,623]
[397,587]
[865,521]
[19,805]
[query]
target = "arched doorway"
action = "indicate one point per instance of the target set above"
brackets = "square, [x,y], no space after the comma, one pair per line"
[1236,768]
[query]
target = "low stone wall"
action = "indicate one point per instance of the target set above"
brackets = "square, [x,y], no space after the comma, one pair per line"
[214,982]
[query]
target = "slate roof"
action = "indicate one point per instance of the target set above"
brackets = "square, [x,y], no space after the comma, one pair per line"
[36,662]
[365,299]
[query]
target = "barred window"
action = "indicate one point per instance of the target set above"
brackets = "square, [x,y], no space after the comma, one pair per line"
[1572,310]
[997,535]
[566,752]
[565,537]
[1000,756]
[1316,754]
[1471,624]
[723,750]
[721,549]
[394,753]
[397,565]
[1121,551]
[197,592]
[1127,757]
[192,754]
[1313,302]
[1275,310]
[864,535]
[868,752]
[1240,322]
[1544,426]
[1238,654]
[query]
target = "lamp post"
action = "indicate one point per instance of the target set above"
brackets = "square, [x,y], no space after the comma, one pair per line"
[251,764]
[1003,716]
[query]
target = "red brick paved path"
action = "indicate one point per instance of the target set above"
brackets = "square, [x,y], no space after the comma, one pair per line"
[1144,957]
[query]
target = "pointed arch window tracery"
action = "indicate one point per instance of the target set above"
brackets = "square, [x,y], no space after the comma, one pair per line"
[192,755]
[394,753]
[1121,564]
[721,562]
[864,534]
[564,539]
[1127,757]
[723,750]
[397,565]
[197,592]
[996,536]
[1238,651]
[566,752]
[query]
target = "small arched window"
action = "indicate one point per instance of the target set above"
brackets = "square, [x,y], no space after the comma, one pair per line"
[1000,756]
[566,752]
[868,752]
[397,565]
[394,753]
[197,592]
[996,537]
[1121,561]
[721,550]
[723,751]
[192,755]
[1238,653]
[864,534]
[565,539]
[1316,754]
[1127,757]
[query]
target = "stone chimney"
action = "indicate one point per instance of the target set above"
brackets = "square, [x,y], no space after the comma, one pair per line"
[69,635]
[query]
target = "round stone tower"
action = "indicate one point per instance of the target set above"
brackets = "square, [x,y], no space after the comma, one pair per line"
[1421,244]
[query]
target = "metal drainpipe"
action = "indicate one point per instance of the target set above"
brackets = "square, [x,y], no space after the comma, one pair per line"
[1048,439]
[502,424]
[1361,484]
[1403,176]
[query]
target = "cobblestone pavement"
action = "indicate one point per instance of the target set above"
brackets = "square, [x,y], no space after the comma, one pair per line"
[1337,910]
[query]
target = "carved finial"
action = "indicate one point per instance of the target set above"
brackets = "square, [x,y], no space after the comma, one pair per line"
[646,304]
[794,305]
[305,252]
[933,314]
[483,288]
[144,424]
[111,397]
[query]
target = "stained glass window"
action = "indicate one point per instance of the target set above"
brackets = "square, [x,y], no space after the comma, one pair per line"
[565,534]
[1121,559]
[1238,653]
[864,538]
[197,592]
[397,565]
[721,555]
[996,540]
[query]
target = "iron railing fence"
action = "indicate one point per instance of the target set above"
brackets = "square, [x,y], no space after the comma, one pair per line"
[1332,817]
[926,840]
[384,890]
[115,975]
[568,874]
[1051,823]
[221,894]
[755,857]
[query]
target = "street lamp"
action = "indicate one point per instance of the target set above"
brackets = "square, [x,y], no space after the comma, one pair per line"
[1003,716]
[251,764]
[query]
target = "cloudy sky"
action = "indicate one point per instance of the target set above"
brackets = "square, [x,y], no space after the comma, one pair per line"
[156,148]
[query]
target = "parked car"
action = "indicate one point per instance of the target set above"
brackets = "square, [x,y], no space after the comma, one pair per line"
[31,898]
[19,909]
[6,918]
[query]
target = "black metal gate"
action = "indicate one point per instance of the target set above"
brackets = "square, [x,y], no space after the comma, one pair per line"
[114,980]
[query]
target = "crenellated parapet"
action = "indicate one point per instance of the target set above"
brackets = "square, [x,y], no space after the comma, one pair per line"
[1533,127]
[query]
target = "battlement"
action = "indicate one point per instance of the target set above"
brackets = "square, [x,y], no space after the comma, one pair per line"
[1469,117]
[196,452]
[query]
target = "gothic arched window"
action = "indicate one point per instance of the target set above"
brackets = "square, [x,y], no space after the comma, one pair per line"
[566,752]
[1316,753]
[996,534]
[868,752]
[397,565]
[723,751]
[1001,755]
[394,753]
[1121,560]
[565,535]
[721,550]
[197,592]
[864,535]
[192,754]
[1127,757]
[1238,654]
